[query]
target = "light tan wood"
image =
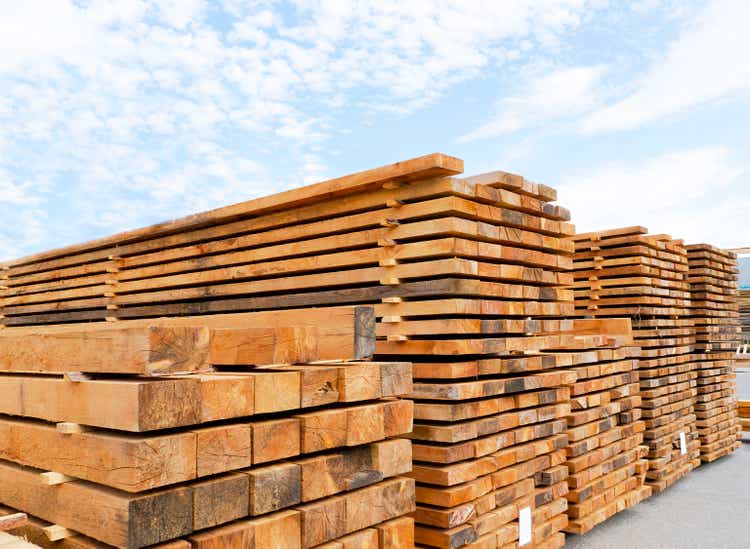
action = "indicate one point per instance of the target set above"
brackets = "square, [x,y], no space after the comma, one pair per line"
[56,532]
[123,404]
[129,463]
[109,516]
[140,350]
[191,343]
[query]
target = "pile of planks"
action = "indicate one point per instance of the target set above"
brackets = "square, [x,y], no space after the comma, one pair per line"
[489,434]
[303,313]
[605,455]
[466,276]
[626,272]
[342,241]
[744,305]
[714,287]
[135,433]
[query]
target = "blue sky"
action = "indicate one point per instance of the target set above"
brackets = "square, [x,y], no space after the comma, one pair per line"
[117,114]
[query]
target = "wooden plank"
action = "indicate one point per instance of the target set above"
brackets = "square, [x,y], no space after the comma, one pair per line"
[34,531]
[274,487]
[112,517]
[338,516]
[349,426]
[123,404]
[397,533]
[151,350]
[240,338]
[276,439]
[280,530]
[130,464]
[142,405]
[223,448]
[219,500]
[331,473]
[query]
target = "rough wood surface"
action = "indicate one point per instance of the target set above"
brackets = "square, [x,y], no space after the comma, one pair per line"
[112,517]
[150,350]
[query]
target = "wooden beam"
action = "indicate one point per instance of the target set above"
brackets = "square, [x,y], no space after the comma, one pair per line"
[112,517]
[149,350]
[122,404]
[128,463]
[192,343]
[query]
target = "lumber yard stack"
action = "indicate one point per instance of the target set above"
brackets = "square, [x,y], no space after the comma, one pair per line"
[489,433]
[605,452]
[143,432]
[744,303]
[466,276]
[626,272]
[324,296]
[714,286]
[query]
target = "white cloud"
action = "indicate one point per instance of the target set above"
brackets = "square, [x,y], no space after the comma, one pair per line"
[696,194]
[122,112]
[706,63]
[560,94]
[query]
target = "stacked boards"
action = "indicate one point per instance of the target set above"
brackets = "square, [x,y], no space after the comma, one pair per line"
[137,433]
[489,435]
[605,452]
[322,245]
[466,276]
[714,286]
[628,273]
[744,303]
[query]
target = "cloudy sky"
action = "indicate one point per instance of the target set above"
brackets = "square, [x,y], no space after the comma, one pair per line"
[116,114]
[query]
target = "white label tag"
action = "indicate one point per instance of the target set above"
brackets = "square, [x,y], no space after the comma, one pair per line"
[524,526]
[683,444]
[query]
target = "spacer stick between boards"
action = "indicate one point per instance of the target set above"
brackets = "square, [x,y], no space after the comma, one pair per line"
[52,478]
[76,377]
[68,428]
[55,532]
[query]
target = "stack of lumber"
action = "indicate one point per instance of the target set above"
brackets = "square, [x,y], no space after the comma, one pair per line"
[626,272]
[743,351]
[332,243]
[466,276]
[135,433]
[605,455]
[744,303]
[489,435]
[714,286]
